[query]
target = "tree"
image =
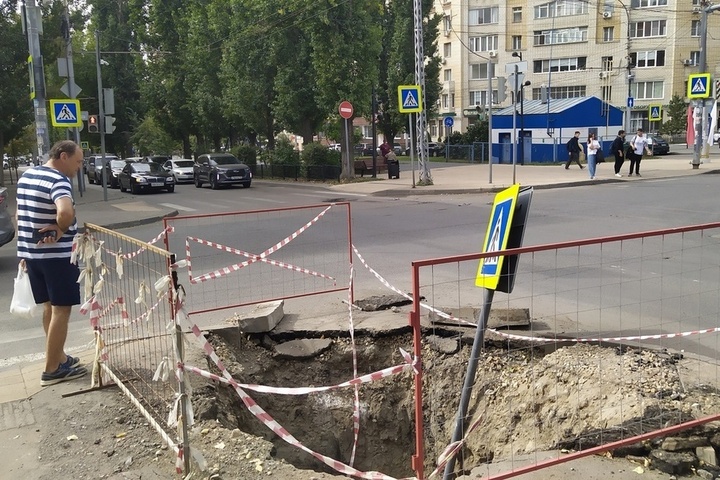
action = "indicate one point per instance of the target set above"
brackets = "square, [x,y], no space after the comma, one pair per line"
[149,137]
[15,105]
[677,111]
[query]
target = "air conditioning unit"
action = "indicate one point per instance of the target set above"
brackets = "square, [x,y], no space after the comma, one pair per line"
[688,62]
[696,9]
[447,33]
[607,14]
[443,61]
[604,74]
[492,53]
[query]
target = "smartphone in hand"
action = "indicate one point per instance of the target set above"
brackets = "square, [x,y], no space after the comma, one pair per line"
[40,236]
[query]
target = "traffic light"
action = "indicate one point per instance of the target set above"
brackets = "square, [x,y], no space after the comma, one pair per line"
[109,121]
[502,86]
[93,126]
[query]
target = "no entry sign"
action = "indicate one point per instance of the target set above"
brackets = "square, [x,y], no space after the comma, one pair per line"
[346,110]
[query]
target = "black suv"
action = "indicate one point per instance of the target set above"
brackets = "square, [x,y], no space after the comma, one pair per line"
[219,169]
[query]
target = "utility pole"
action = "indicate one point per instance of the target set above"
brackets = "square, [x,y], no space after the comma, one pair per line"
[421,141]
[72,92]
[101,114]
[701,147]
[37,79]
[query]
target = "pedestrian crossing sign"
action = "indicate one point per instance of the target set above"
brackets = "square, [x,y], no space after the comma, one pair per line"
[65,113]
[496,237]
[698,85]
[655,113]
[409,99]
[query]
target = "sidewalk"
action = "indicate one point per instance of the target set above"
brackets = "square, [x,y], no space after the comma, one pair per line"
[25,406]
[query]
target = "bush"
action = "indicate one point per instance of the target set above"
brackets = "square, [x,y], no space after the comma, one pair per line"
[285,153]
[247,154]
[317,154]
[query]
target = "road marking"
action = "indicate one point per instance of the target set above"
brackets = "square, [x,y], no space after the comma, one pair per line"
[178,207]
[329,194]
[267,200]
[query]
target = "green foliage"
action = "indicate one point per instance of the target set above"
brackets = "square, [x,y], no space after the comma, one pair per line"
[285,153]
[247,154]
[317,154]
[150,137]
[677,111]
[476,132]
[456,138]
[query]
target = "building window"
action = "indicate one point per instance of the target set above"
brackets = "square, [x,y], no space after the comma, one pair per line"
[517,42]
[654,28]
[479,97]
[447,24]
[478,71]
[557,93]
[484,44]
[452,100]
[606,92]
[517,14]
[608,34]
[695,28]
[564,35]
[446,100]
[648,90]
[653,58]
[648,3]
[483,16]
[447,49]
[559,65]
[607,64]
[609,6]
[447,75]
[561,8]
[695,57]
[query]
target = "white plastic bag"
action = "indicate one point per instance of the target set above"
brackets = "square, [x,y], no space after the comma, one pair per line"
[23,303]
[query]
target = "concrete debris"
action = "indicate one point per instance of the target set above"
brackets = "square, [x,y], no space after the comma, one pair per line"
[263,318]
[382,302]
[303,348]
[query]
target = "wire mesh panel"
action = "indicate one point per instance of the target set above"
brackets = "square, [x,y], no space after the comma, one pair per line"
[243,258]
[602,343]
[128,293]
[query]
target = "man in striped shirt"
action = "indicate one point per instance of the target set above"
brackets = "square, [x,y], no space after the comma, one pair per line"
[46,227]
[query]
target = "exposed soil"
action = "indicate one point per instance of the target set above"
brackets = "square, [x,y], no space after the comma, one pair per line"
[529,399]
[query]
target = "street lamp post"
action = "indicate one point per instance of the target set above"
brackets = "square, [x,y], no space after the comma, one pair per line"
[521,93]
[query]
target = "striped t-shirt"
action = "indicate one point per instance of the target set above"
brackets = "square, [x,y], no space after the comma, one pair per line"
[37,191]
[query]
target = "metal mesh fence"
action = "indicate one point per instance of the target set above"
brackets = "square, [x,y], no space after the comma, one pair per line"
[243,258]
[600,342]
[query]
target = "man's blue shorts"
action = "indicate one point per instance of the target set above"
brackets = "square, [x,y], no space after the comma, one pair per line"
[54,280]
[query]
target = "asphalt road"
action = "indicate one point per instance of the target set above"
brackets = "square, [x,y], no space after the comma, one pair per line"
[392,232]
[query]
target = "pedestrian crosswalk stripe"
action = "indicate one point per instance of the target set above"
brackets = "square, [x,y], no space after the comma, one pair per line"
[66,114]
[410,100]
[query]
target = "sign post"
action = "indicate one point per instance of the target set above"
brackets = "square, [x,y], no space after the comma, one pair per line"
[449,122]
[346,111]
[410,101]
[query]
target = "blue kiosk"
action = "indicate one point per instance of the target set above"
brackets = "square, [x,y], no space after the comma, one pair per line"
[547,126]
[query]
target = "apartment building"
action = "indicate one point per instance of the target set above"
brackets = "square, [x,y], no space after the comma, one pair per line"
[611,49]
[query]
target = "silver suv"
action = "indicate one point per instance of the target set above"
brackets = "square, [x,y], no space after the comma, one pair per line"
[94,167]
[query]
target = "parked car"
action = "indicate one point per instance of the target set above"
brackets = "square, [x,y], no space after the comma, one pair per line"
[335,146]
[434,149]
[181,170]
[220,169]
[363,149]
[658,145]
[116,167]
[94,167]
[7,227]
[159,159]
[397,148]
[140,176]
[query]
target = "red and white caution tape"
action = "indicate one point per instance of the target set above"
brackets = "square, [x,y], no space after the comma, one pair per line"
[452,449]
[513,336]
[237,266]
[356,396]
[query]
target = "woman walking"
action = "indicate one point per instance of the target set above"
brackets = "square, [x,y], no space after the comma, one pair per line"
[592,148]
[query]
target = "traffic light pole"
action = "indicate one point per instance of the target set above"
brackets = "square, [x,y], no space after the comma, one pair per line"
[101,115]
[31,12]
[700,151]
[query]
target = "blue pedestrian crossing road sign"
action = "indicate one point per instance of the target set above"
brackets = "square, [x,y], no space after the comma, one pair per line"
[496,237]
[698,85]
[655,113]
[65,113]
[409,99]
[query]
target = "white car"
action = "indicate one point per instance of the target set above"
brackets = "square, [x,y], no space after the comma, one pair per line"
[181,169]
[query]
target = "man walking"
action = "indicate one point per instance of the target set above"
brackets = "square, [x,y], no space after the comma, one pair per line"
[638,146]
[618,149]
[573,148]
[46,227]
